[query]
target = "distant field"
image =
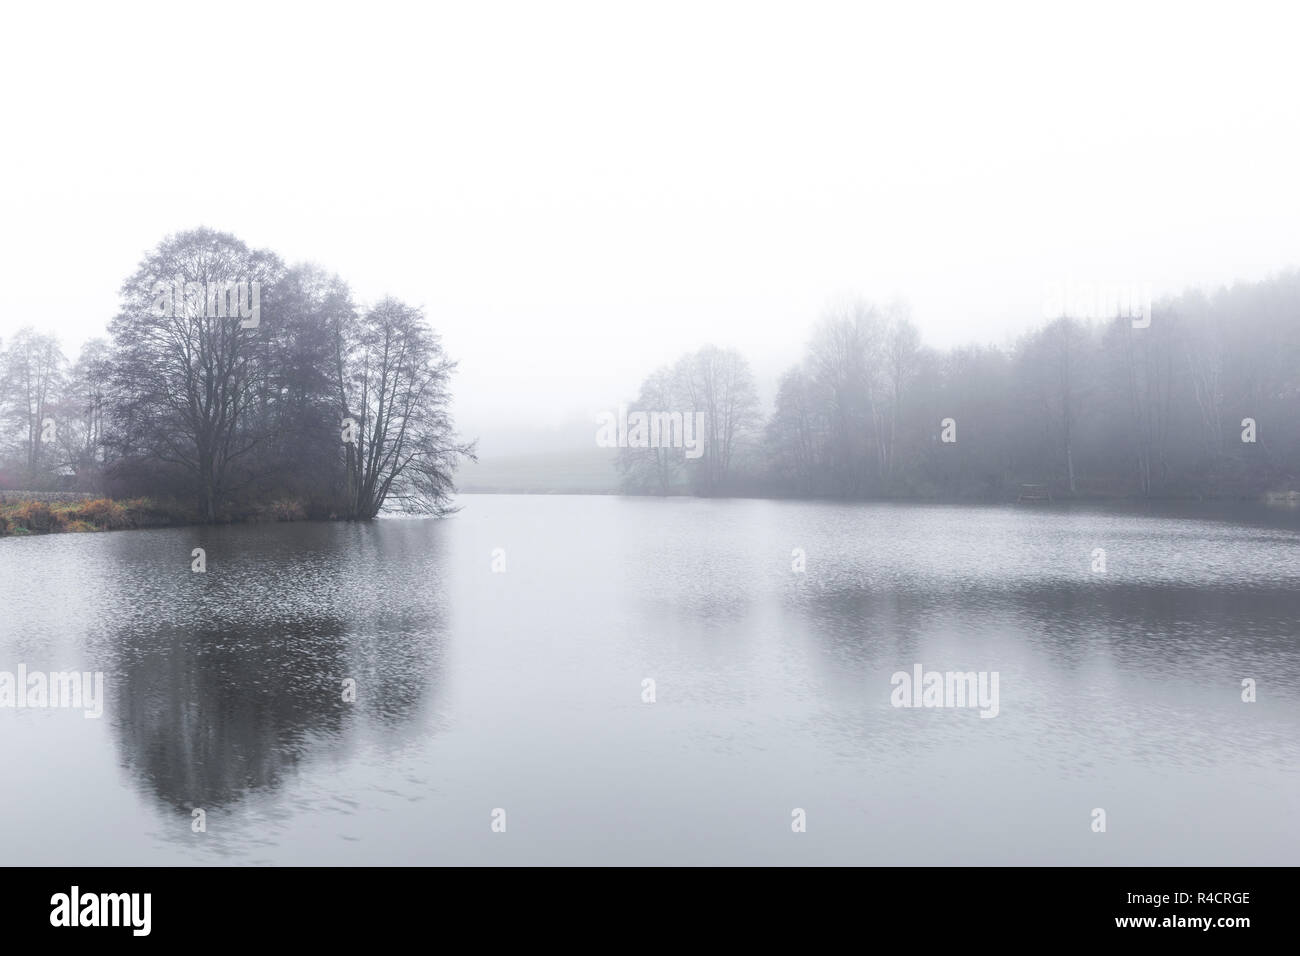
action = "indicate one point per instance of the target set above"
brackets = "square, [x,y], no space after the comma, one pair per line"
[575,471]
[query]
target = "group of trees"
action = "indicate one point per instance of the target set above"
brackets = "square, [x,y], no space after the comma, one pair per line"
[312,405]
[717,387]
[322,408]
[1085,407]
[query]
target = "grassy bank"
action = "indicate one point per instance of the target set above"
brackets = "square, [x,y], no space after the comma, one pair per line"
[42,514]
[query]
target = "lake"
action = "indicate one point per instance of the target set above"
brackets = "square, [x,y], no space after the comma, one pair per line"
[502,661]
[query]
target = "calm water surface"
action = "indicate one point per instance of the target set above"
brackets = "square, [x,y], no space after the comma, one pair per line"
[522,690]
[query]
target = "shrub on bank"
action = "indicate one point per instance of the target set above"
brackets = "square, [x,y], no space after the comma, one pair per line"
[33,516]
[96,514]
[158,513]
[100,513]
[286,509]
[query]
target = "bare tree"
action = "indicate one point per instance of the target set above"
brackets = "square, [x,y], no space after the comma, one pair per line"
[719,383]
[655,467]
[398,439]
[34,374]
[86,405]
[797,434]
[902,346]
[187,372]
[845,360]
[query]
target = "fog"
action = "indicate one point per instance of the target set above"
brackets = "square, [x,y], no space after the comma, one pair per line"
[696,433]
[577,198]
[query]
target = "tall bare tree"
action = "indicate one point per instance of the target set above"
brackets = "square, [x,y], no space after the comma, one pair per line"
[398,439]
[34,373]
[656,467]
[187,372]
[720,384]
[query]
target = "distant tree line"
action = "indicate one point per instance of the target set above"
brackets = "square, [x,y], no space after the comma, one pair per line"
[1205,400]
[306,406]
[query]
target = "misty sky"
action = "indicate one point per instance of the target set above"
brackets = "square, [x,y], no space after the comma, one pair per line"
[579,193]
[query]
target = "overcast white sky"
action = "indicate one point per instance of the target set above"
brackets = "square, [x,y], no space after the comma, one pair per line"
[577,193]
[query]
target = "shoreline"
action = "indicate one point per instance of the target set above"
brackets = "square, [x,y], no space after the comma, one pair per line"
[28,514]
